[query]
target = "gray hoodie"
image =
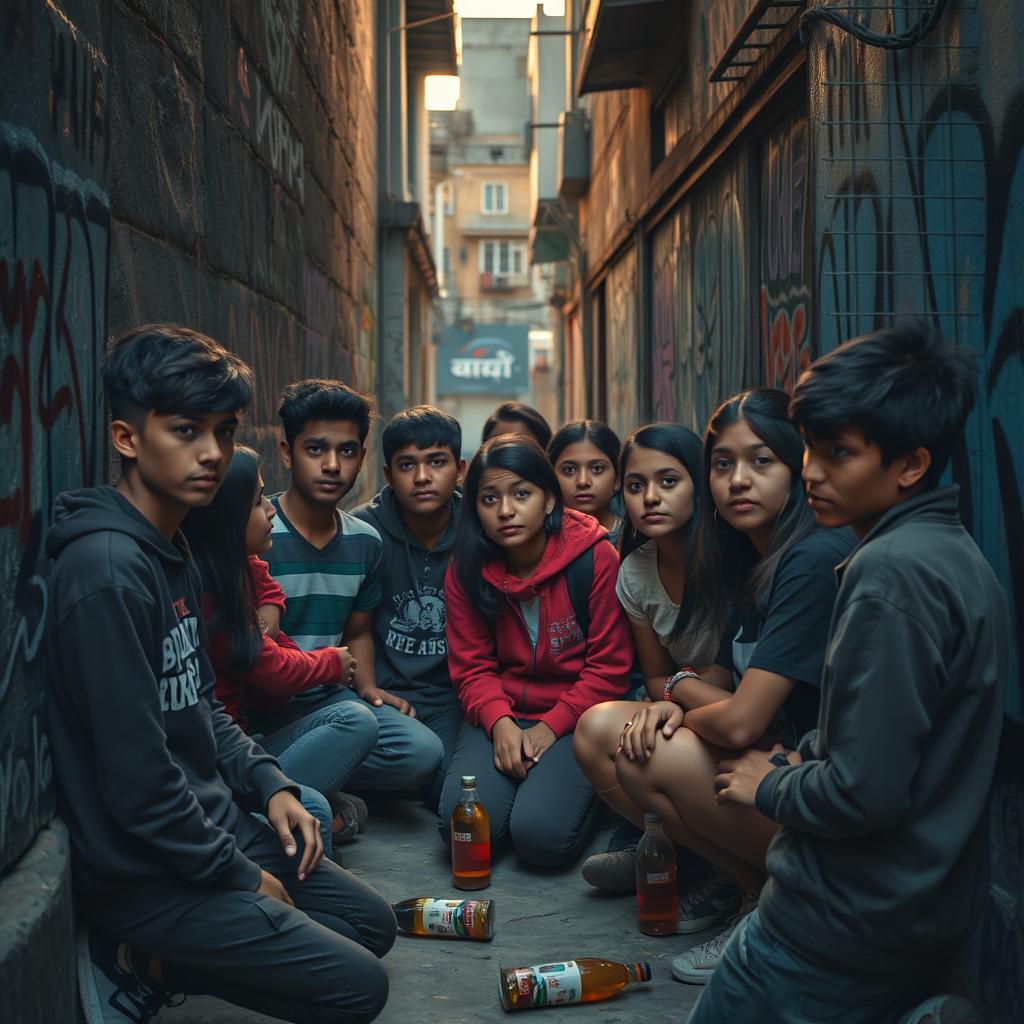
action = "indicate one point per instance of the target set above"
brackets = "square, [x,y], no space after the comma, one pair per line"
[155,776]
[881,864]
[408,626]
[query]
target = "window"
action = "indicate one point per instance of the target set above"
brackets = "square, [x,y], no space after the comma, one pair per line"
[503,258]
[446,262]
[494,195]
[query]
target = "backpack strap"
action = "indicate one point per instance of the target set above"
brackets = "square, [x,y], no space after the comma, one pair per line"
[579,578]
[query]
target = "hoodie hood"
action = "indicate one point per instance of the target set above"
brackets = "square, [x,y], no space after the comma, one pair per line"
[95,509]
[579,532]
[385,513]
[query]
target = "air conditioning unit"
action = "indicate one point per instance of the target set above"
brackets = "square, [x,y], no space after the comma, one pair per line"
[573,174]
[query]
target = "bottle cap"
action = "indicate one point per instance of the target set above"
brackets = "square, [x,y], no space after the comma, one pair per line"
[650,818]
[468,780]
[645,971]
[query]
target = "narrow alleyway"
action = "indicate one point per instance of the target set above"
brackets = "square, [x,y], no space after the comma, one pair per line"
[541,917]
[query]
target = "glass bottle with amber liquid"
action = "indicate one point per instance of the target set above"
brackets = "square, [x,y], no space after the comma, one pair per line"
[457,919]
[657,899]
[471,840]
[571,981]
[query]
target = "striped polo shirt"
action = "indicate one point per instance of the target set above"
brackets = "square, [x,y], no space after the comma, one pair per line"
[323,586]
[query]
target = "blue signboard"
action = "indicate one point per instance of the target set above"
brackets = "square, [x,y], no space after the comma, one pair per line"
[492,360]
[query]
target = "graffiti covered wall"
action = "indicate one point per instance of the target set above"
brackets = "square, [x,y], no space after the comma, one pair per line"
[212,164]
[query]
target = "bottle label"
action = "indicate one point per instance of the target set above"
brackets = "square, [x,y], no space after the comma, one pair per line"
[462,837]
[449,917]
[550,984]
[657,877]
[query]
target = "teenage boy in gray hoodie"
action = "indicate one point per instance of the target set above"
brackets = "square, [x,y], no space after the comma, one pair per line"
[415,515]
[879,873]
[183,889]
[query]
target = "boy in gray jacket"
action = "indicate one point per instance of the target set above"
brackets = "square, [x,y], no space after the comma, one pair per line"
[879,872]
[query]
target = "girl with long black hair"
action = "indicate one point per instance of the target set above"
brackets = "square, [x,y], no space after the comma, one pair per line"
[523,665]
[765,574]
[585,454]
[660,470]
[258,667]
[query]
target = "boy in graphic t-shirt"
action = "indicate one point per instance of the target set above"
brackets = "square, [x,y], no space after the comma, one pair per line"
[329,564]
[416,516]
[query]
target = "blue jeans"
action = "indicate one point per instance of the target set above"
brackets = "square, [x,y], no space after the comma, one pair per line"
[406,753]
[760,980]
[320,751]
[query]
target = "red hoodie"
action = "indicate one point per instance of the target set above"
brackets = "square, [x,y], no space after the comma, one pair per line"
[280,670]
[498,674]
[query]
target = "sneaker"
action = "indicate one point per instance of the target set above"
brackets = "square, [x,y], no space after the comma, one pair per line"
[707,903]
[109,994]
[695,965]
[350,816]
[943,1010]
[611,872]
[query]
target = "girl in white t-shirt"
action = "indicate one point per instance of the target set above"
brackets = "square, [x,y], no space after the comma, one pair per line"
[660,470]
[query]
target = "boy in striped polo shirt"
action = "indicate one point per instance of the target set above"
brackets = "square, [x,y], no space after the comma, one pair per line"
[329,565]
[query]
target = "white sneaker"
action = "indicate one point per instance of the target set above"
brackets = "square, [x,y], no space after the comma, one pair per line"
[695,965]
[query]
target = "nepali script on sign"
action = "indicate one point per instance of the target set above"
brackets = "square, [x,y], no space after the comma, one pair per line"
[497,367]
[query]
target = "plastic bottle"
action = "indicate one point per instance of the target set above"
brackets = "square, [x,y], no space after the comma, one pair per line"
[471,840]
[573,981]
[657,900]
[460,919]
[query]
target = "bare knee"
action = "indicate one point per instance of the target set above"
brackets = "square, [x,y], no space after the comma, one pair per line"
[679,761]
[598,729]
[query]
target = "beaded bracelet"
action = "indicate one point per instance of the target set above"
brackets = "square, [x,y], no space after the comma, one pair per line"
[686,672]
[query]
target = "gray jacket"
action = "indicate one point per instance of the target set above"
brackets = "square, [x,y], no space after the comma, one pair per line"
[881,864]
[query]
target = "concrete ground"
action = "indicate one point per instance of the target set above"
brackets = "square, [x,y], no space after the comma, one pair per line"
[541,917]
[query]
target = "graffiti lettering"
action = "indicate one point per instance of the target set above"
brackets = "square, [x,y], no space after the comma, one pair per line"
[54,250]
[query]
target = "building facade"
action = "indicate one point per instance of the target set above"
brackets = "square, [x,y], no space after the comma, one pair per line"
[481,174]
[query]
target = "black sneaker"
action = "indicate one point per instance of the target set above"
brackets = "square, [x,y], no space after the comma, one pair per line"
[110,994]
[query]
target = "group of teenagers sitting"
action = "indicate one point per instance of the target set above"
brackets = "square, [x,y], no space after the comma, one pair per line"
[778,638]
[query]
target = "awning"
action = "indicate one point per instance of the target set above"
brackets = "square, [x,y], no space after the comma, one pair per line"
[430,47]
[619,37]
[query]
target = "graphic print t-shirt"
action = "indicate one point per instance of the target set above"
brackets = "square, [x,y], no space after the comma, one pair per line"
[323,586]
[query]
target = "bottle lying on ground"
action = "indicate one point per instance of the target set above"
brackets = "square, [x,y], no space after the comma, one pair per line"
[573,981]
[657,900]
[461,919]
[471,840]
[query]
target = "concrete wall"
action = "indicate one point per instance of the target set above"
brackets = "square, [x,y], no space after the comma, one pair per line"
[212,163]
[493,56]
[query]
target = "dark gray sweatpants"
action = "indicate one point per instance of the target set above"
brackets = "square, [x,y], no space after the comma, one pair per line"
[549,816]
[316,962]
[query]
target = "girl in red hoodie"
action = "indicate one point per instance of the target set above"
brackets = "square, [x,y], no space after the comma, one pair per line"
[522,666]
[259,669]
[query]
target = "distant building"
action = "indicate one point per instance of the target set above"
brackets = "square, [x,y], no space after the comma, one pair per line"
[480,189]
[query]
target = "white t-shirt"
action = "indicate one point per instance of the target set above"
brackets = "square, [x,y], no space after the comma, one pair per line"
[641,594]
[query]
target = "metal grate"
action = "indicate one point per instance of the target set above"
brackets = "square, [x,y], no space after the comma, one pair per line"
[754,36]
[902,195]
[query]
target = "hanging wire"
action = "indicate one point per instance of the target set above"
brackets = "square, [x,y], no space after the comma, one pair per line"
[897,41]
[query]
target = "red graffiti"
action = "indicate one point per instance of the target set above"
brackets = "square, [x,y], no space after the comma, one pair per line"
[22,296]
[784,341]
